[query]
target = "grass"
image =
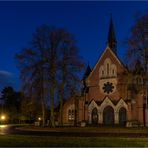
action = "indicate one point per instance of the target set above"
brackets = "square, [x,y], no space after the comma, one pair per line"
[89,129]
[43,141]
[59,141]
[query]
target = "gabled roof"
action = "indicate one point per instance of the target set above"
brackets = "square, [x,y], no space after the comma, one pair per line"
[114,102]
[113,54]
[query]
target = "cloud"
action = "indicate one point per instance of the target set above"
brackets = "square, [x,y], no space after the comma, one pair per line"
[6,79]
[5,73]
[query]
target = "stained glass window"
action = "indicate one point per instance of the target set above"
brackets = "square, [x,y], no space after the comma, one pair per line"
[108,87]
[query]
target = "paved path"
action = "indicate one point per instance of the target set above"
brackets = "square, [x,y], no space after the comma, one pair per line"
[78,133]
[11,130]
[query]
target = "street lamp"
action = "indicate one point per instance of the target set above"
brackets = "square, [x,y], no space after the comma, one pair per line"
[39,118]
[39,121]
[3,117]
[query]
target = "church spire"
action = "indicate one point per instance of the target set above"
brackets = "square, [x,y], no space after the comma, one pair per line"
[111,42]
[87,72]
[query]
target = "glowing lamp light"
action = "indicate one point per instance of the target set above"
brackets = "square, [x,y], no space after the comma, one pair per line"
[3,126]
[3,117]
[39,118]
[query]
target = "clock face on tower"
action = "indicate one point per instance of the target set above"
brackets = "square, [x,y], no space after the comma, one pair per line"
[108,87]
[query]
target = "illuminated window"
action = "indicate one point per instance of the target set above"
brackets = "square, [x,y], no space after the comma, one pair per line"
[71,114]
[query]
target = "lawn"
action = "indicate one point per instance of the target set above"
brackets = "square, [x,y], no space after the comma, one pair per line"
[43,141]
[88,129]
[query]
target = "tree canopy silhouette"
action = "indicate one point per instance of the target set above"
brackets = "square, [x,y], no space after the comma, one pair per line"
[49,68]
[11,104]
[137,56]
[138,43]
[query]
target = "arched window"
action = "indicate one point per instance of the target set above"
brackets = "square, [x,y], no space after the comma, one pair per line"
[122,116]
[107,69]
[94,115]
[71,113]
[113,72]
[102,73]
[108,116]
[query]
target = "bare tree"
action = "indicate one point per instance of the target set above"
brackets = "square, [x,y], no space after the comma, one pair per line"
[137,56]
[138,43]
[69,66]
[50,64]
[33,67]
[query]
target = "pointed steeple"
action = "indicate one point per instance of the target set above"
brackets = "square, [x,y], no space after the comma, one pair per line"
[87,72]
[85,88]
[111,42]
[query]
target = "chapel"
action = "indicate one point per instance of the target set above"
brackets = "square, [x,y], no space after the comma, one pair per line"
[111,95]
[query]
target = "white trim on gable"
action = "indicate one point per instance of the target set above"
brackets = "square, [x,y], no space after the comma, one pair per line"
[121,104]
[107,48]
[100,108]
[105,103]
[92,105]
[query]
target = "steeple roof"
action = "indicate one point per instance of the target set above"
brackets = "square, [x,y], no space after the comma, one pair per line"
[87,72]
[111,37]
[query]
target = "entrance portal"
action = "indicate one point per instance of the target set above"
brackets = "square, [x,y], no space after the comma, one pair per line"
[122,116]
[94,116]
[108,116]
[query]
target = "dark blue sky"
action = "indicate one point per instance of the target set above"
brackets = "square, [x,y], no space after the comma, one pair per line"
[88,21]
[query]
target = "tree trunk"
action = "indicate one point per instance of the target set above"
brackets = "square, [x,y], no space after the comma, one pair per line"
[52,107]
[62,94]
[43,113]
[61,104]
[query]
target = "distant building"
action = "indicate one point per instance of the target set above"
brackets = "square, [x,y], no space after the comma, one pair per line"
[111,95]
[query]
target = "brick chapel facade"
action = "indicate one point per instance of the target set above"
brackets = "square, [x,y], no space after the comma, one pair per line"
[108,96]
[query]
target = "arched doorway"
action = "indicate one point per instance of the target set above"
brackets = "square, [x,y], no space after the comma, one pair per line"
[108,116]
[94,116]
[122,116]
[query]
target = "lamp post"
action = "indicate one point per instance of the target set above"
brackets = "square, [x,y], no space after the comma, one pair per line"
[3,117]
[39,119]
